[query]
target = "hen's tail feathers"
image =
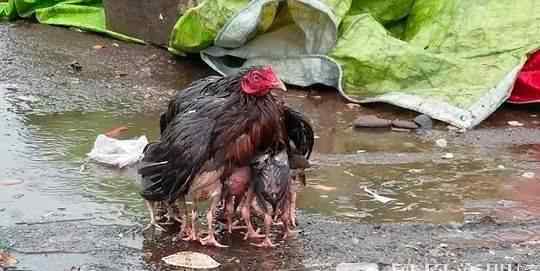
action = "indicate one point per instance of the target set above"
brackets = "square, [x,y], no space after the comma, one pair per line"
[150,169]
[300,132]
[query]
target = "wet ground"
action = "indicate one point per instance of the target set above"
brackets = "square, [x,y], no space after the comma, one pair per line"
[58,91]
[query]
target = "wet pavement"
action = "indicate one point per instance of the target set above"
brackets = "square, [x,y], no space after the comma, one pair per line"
[58,211]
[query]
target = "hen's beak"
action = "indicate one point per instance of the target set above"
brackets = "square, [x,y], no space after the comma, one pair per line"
[280,85]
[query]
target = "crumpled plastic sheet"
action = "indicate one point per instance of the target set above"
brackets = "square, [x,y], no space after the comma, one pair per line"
[116,152]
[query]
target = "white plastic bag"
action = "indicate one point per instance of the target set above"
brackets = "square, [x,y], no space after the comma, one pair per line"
[119,153]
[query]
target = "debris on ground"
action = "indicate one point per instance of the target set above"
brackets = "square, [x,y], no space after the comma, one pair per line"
[404,124]
[448,155]
[352,106]
[357,267]
[371,121]
[98,46]
[401,130]
[377,197]
[528,175]
[441,143]
[115,132]
[9,182]
[119,153]
[424,121]
[322,187]
[192,260]
[75,66]
[6,260]
[515,123]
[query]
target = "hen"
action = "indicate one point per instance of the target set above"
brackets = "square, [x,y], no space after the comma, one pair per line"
[204,140]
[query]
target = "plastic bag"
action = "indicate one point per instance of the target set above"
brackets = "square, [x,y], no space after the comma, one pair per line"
[119,153]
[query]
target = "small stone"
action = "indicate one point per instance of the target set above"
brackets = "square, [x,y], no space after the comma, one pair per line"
[441,143]
[323,196]
[353,106]
[18,196]
[357,267]
[316,97]
[515,123]
[501,167]
[10,182]
[361,151]
[415,170]
[98,46]
[528,175]
[424,121]
[405,124]
[115,44]
[448,155]
[371,121]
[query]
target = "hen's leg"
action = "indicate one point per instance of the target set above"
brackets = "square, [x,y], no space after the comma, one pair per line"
[153,222]
[210,240]
[246,215]
[267,225]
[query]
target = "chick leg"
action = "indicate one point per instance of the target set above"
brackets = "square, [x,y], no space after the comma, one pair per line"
[172,214]
[267,225]
[192,233]
[229,212]
[210,240]
[246,215]
[185,229]
[292,209]
[153,222]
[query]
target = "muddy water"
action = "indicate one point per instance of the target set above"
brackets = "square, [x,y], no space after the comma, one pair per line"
[424,188]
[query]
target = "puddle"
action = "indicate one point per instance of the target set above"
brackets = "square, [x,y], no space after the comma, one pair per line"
[54,146]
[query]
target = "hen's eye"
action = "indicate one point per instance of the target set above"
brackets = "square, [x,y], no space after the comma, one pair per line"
[256,77]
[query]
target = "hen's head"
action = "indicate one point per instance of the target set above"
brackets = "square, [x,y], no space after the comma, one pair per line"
[260,81]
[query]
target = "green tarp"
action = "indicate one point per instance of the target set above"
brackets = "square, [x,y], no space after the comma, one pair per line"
[454,60]
[84,14]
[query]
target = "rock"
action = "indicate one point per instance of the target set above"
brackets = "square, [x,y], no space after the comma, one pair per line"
[424,121]
[192,260]
[357,267]
[371,121]
[441,143]
[515,123]
[353,106]
[405,124]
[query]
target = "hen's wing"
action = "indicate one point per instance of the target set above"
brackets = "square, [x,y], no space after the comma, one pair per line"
[186,98]
[188,149]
